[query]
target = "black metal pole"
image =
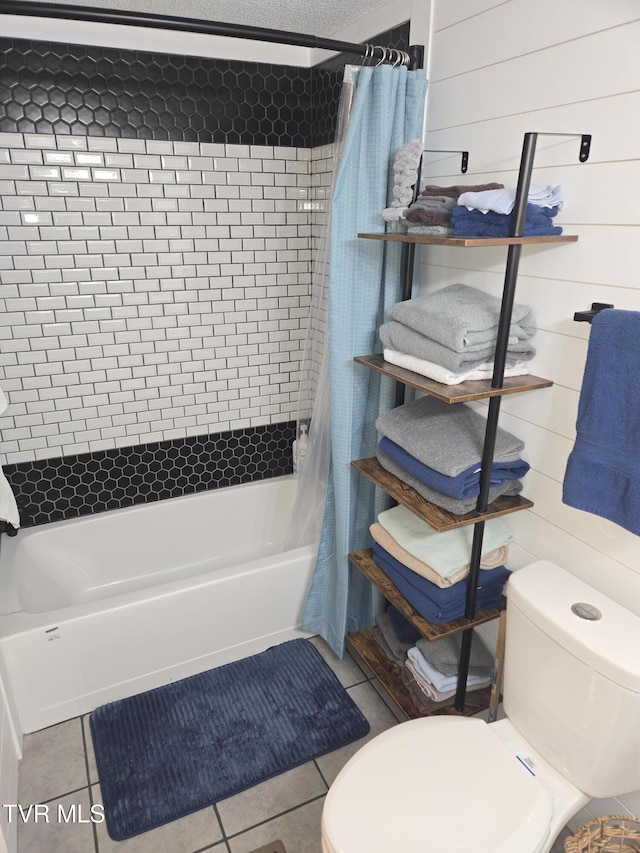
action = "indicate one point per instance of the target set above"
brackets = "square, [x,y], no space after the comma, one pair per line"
[504,323]
[170,22]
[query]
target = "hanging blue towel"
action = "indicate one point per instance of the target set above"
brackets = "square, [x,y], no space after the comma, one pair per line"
[603,471]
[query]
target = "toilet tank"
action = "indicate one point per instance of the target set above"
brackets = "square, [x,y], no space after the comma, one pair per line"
[572,683]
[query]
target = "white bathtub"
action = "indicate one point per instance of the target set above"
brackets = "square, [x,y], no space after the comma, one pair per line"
[98,608]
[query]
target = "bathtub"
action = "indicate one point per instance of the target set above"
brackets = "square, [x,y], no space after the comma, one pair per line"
[102,607]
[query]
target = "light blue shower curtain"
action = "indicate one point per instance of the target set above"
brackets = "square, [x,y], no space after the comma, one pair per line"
[364,280]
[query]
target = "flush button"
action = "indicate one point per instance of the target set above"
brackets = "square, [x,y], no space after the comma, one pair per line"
[586,611]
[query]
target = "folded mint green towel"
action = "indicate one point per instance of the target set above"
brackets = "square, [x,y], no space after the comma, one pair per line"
[445,552]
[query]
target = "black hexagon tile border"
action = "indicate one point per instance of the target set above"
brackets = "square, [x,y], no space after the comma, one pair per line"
[47,87]
[54,489]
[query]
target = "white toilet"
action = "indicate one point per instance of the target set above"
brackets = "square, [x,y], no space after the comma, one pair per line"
[571,732]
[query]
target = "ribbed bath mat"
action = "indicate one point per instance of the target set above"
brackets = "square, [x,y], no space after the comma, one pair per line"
[171,751]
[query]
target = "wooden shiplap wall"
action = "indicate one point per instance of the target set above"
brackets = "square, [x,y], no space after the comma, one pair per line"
[496,71]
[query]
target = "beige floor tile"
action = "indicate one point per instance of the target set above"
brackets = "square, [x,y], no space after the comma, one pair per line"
[58,836]
[270,798]
[91,756]
[53,763]
[299,830]
[347,670]
[380,718]
[190,833]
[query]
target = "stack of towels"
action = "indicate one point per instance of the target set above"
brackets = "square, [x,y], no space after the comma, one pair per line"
[488,213]
[429,670]
[428,567]
[437,450]
[450,335]
[430,213]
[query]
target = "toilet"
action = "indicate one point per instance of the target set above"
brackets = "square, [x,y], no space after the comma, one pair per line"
[570,732]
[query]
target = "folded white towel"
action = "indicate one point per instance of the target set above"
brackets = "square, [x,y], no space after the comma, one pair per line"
[445,376]
[8,507]
[502,201]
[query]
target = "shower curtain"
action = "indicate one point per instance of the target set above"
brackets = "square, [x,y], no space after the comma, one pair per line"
[355,282]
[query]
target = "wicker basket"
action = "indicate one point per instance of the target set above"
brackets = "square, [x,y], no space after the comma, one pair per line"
[613,833]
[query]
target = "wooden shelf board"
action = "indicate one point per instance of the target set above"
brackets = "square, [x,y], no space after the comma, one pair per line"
[363,560]
[434,515]
[471,241]
[477,389]
[388,674]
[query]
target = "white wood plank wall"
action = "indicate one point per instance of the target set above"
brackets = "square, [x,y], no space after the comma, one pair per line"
[496,71]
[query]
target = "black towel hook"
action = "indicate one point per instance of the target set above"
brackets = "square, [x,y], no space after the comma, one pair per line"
[587,316]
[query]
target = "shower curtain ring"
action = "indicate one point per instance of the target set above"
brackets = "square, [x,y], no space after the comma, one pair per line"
[368,52]
[398,58]
[406,58]
[383,58]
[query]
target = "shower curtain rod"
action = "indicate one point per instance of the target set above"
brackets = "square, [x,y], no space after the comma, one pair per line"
[195,25]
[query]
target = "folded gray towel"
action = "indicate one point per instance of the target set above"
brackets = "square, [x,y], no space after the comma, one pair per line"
[452,505]
[397,336]
[444,654]
[461,317]
[447,438]
[422,230]
[394,648]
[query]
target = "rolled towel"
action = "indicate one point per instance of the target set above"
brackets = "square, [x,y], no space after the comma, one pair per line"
[452,505]
[401,338]
[449,439]
[447,377]
[447,552]
[462,318]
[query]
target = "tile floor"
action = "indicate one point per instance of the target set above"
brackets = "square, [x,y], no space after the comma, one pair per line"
[58,767]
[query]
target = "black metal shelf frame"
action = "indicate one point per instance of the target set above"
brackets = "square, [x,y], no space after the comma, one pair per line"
[504,323]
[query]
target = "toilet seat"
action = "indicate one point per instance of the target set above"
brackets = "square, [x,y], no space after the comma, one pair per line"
[434,784]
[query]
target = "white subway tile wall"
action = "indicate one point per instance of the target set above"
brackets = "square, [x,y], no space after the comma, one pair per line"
[150,290]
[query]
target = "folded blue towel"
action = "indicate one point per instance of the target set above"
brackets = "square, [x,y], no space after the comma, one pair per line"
[405,632]
[464,485]
[451,602]
[603,470]
[475,223]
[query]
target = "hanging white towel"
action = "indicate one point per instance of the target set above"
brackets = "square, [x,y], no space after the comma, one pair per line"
[8,507]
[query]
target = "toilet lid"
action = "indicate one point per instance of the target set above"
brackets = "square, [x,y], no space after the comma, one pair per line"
[434,784]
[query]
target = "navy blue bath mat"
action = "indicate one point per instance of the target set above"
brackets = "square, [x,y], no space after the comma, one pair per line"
[174,750]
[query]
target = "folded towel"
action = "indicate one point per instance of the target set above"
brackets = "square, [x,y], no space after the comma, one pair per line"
[394,647]
[420,593]
[452,505]
[405,631]
[462,318]
[446,377]
[8,506]
[466,484]
[397,336]
[603,471]
[430,230]
[458,189]
[475,223]
[491,560]
[502,200]
[444,655]
[447,552]
[441,682]
[447,438]
[431,210]
[420,693]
